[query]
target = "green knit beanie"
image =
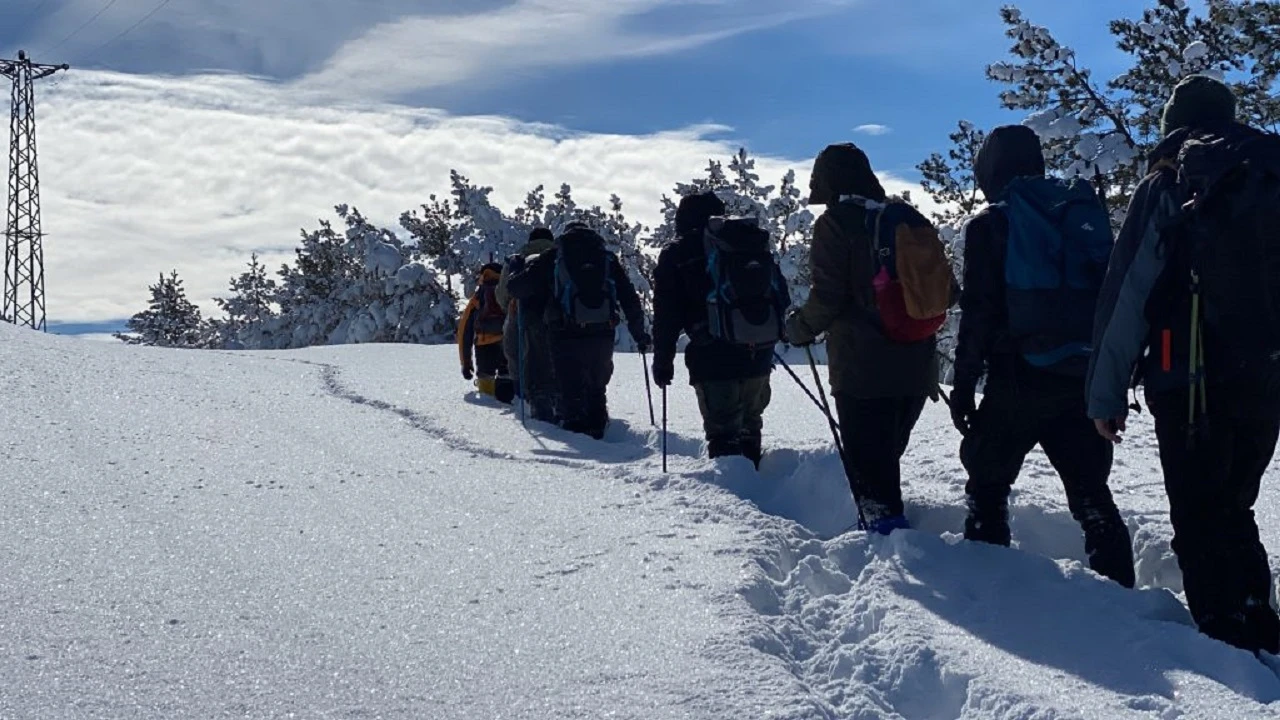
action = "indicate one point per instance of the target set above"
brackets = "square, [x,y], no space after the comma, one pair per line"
[1198,101]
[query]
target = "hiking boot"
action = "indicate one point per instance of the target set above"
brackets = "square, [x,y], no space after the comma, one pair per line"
[1232,629]
[1110,551]
[753,450]
[988,523]
[1264,625]
[723,448]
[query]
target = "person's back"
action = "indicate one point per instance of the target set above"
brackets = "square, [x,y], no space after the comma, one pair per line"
[525,337]
[731,378]
[1190,284]
[480,332]
[584,290]
[1025,324]
[880,384]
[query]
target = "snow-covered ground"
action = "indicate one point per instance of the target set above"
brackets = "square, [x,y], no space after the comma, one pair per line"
[349,532]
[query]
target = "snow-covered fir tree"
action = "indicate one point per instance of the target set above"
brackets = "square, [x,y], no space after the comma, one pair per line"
[247,311]
[170,320]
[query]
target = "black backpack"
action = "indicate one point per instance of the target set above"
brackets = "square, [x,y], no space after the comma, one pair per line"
[1223,239]
[744,305]
[584,288]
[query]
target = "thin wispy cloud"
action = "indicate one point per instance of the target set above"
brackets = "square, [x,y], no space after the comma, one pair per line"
[873,129]
[144,174]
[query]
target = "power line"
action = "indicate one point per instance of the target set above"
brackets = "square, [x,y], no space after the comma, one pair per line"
[141,21]
[86,24]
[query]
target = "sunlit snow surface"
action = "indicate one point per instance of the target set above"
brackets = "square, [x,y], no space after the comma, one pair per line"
[350,533]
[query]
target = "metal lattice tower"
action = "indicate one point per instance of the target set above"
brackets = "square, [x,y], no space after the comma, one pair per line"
[24,241]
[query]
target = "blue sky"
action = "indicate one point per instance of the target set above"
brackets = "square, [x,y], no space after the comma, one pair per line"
[785,77]
[787,85]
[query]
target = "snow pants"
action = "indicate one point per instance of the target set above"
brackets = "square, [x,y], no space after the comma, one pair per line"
[875,433]
[733,416]
[1212,486]
[1008,425]
[583,369]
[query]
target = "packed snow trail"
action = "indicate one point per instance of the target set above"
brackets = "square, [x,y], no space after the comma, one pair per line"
[347,532]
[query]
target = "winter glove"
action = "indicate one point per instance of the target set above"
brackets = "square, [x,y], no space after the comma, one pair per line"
[963,409]
[644,341]
[467,373]
[798,332]
[664,371]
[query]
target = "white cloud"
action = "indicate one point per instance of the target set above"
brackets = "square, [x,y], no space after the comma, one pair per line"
[143,174]
[418,53]
[873,129]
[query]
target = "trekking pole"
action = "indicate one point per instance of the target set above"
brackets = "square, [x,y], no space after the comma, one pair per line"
[664,430]
[800,382]
[835,431]
[524,385]
[648,389]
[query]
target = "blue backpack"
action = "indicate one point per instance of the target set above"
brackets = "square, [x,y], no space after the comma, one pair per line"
[1059,244]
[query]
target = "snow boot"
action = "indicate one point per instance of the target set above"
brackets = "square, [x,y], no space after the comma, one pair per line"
[988,522]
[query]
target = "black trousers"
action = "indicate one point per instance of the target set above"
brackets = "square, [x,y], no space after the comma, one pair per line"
[1008,425]
[490,360]
[733,415]
[875,433]
[1212,486]
[583,369]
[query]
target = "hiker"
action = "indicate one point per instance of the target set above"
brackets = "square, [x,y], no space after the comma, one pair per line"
[481,329]
[880,339]
[582,287]
[1027,326]
[1192,284]
[525,338]
[731,341]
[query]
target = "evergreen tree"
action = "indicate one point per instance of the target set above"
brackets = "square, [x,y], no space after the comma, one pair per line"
[248,310]
[170,320]
[950,181]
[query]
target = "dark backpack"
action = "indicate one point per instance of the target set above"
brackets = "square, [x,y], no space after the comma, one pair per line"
[584,288]
[1226,241]
[1056,255]
[912,280]
[490,315]
[744,305]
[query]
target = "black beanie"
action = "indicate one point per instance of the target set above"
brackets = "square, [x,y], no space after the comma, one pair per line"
[1199,102]
[696,210]
[541,233]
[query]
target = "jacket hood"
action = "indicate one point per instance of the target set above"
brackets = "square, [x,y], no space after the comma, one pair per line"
[490,273]
[843,169]
[1010,151]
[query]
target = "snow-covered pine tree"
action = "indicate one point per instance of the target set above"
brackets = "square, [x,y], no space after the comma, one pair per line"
[247,311]
[310,292]
[170,320]
[433,231]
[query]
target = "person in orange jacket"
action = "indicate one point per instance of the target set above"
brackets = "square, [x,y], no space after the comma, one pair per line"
[480,332]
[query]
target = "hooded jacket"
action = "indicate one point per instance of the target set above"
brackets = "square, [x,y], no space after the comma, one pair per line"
[681,285]
[983,343]
[863,363]
[469,336]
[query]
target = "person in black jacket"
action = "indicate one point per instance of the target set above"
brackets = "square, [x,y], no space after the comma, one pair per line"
[731,381]
[582,351]
[1022,405]
[1216,441]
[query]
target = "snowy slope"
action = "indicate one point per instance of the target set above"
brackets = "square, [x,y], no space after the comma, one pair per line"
[347,532]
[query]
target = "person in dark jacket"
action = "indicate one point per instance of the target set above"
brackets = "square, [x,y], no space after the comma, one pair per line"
[731,381]
[583,355]
[880,386]
[1212,475]
[526,341]
[1022,405]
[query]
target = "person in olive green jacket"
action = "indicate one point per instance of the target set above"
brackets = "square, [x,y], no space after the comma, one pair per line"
[880,386]
[525,339]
